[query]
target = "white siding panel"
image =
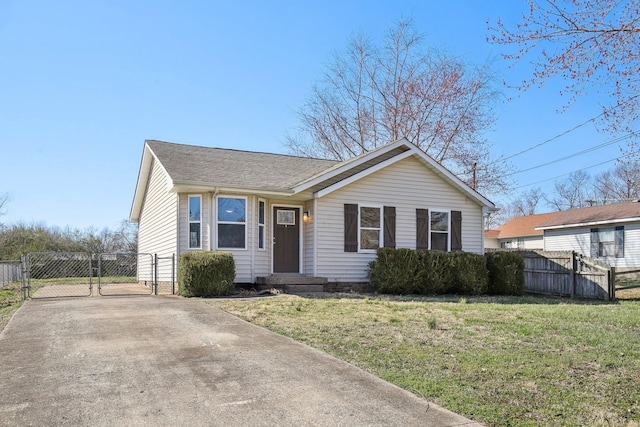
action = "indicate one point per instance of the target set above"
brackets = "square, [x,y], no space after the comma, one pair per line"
[579,240]
[157,233]
[407,185]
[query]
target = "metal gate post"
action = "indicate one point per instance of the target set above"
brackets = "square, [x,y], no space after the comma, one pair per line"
[173,274]
[23,276]
[155,274]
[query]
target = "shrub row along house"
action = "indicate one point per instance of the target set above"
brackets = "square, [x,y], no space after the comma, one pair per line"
[282,215]
[610,233]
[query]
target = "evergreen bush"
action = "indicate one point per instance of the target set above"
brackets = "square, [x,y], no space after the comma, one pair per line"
[506,273]
[206,274]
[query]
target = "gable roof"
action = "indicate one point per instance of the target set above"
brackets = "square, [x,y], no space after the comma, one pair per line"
[594,215]
[191,164]
[523,226]
[197,168]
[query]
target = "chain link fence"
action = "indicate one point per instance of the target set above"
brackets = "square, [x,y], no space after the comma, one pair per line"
[59,274]
[74,274]
[10,273]
[118,274]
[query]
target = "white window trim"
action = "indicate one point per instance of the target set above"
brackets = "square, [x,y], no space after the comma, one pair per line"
[380,230]
[246,212]
[448,212]
[189,221]
[263,225]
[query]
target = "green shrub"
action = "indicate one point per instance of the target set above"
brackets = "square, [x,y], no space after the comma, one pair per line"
[393,271]
[206,274]
[432,274]
[469,275]
[405,271]
[506,273]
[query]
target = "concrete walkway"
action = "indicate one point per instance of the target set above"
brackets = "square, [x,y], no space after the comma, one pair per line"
[156,361]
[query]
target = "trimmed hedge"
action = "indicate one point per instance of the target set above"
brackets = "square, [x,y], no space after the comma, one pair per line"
[423,272]
[506,273]
[206,274]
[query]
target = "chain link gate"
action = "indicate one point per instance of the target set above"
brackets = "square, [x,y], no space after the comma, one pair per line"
[58,274]
[73,274]
[118,274]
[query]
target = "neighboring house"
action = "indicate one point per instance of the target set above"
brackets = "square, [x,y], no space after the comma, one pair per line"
[518,233]
[282,214]
[610,233]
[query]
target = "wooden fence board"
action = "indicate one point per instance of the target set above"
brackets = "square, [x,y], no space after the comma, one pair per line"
[566,273]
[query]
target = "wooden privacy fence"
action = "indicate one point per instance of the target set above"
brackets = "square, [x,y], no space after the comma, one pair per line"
[567,273]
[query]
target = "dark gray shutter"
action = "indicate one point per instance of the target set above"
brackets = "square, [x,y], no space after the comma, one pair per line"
[422,228]
[389,227]
[594,243]
[350,228]
[456,230]
[620,241]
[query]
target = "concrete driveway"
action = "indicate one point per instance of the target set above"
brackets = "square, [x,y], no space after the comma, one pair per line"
[111,361]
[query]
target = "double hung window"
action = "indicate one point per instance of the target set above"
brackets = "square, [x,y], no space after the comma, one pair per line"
[232,222]
[370,228]
[195,222]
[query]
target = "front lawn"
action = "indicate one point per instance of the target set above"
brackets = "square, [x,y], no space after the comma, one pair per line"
[498,360]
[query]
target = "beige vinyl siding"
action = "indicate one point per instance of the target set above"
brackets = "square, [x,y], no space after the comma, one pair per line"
[407,185]
[157,232]
[205,226]
[308,240]
[262,262]
[579,240]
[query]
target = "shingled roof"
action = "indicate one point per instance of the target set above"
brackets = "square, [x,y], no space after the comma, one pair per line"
[522,226]
[594,215]
[196,168]
[190,164]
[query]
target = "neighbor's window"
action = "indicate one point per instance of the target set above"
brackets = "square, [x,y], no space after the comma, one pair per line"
[370,228]
[232,222]
[195,222]
[607,242]
[439,226]
[261,222]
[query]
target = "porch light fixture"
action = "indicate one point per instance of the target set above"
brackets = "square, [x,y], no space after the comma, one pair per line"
[306,216]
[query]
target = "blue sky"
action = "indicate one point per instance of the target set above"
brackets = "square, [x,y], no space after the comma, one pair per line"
[83,84]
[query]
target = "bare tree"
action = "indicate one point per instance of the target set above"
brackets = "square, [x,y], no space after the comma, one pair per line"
[573,192]
[372,95]
[620,184]
[592,44]
[5,198]
[527,202]
[524,204]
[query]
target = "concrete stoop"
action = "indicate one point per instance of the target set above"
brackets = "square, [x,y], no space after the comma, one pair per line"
[293,283]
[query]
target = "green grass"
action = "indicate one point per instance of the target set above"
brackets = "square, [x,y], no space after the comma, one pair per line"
[10,301]
[523,361]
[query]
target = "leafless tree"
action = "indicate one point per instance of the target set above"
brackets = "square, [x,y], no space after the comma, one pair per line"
[576,191]
[620,184]
[5,198]
[372,95]
[527,202]
[524,204]
[594,45]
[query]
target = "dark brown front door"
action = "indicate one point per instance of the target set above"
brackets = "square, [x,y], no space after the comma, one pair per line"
[286,240]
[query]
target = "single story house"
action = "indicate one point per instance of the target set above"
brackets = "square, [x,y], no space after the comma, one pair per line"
[304,217]
[610,233]
[518,233]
